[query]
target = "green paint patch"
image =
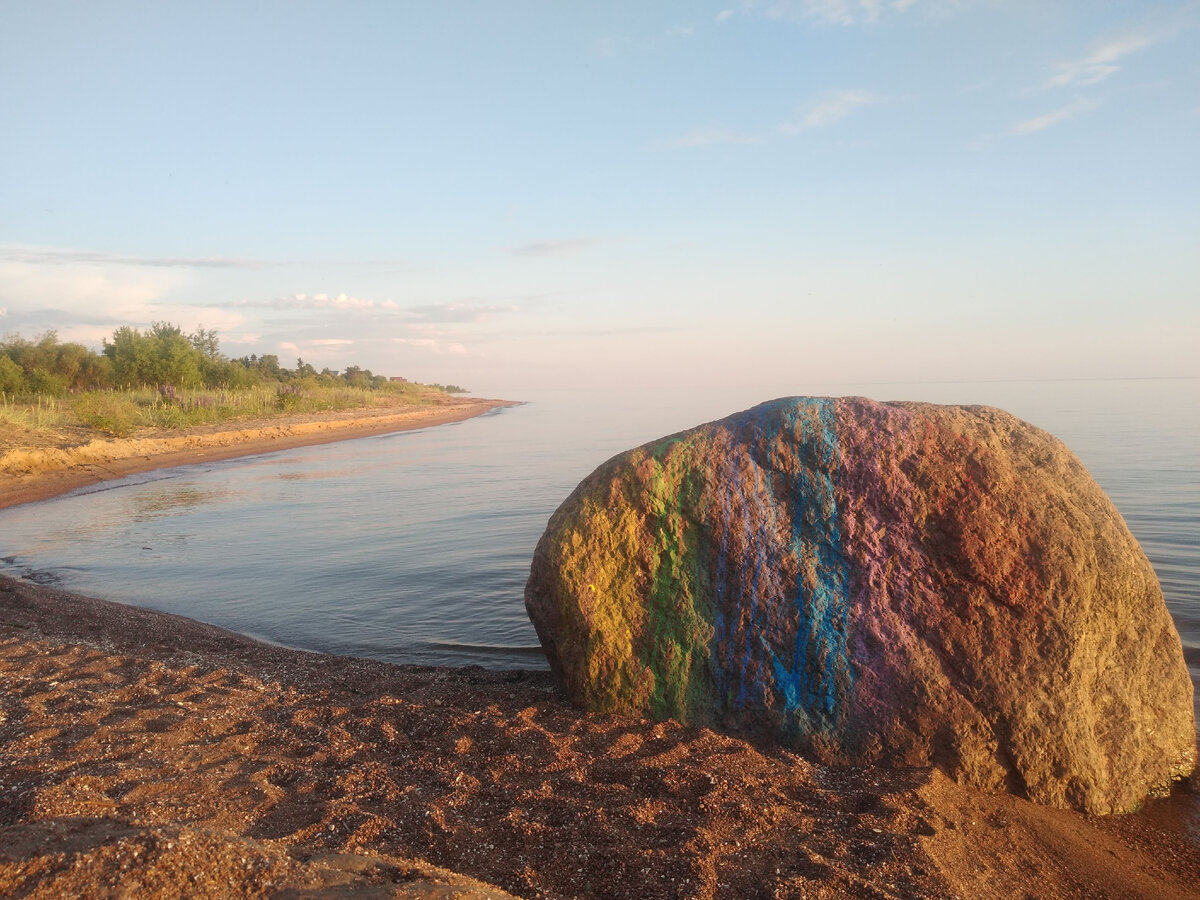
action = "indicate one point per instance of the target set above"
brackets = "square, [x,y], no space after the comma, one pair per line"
[675,643]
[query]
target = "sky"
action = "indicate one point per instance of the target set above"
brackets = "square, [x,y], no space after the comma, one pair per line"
[678,194]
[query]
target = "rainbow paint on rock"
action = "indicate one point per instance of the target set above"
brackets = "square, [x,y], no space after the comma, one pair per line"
[803,665]
[726,593]
[861,580]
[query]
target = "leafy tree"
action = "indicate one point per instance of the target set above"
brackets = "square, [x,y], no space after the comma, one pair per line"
[206,342]
[12,377]
[162,356]
[268,363]
[49,367]
[46,381]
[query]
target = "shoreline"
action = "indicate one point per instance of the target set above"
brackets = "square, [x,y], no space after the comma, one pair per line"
[30,475]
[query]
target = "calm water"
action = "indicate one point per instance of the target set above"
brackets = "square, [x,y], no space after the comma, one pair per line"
[414,547]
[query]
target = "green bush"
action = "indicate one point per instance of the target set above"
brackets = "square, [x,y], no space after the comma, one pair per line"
[113,413]
[12,377]
[165,379]
[46,383]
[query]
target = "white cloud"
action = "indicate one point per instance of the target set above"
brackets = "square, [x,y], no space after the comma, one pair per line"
[84,334]
[309,301]
[456,312]
[341,301]
[3,311]
[559,247]
[830,12]
[431,344]
[1075,108]
[707,137]
[836,105]
[58,256]
[1100,63]
[85,299]
[464,311]
[612,45]
[318,350]
[724,15]
[116,290]
[825,110]
[846,13]
[245,338]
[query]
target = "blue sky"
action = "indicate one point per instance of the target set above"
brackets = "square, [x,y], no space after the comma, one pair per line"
[509,195]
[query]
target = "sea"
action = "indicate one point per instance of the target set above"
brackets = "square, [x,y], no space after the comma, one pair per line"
[414,547]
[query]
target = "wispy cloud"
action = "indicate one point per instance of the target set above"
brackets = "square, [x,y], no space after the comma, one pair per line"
[308,301]
[835,105]
[1100,63]
[824,110]
[725,15]
[457,312]
[319,350]
[432,345]
[85,295]
[612,45]
[559,247]
[615,45]
[1075,108]
[66,257]
[612,332]
[709,136]
[829,12]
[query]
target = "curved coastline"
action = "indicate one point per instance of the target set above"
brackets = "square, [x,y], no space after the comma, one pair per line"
[175,758]
[29,475]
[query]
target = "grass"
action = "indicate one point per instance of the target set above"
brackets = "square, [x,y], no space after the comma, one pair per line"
[36,414]
[121,413]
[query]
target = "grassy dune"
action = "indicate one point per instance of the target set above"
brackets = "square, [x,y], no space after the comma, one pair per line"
[124,412]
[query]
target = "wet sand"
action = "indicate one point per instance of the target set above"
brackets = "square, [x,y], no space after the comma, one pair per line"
[148,755]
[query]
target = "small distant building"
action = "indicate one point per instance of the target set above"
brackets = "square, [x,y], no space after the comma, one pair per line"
[397,378]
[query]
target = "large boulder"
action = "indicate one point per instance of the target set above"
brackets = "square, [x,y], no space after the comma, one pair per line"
[897,582]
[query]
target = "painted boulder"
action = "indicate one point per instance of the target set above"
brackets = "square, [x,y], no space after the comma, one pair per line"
[897,582]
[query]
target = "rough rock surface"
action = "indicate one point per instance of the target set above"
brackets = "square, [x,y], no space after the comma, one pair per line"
[896,582]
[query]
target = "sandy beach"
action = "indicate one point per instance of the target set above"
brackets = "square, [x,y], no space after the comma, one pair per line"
[66,461]
[147,755]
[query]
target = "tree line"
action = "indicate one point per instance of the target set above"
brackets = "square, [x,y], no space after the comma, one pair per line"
[161,356]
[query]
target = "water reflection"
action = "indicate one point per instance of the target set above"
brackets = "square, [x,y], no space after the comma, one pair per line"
[309,476]
[170,501]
